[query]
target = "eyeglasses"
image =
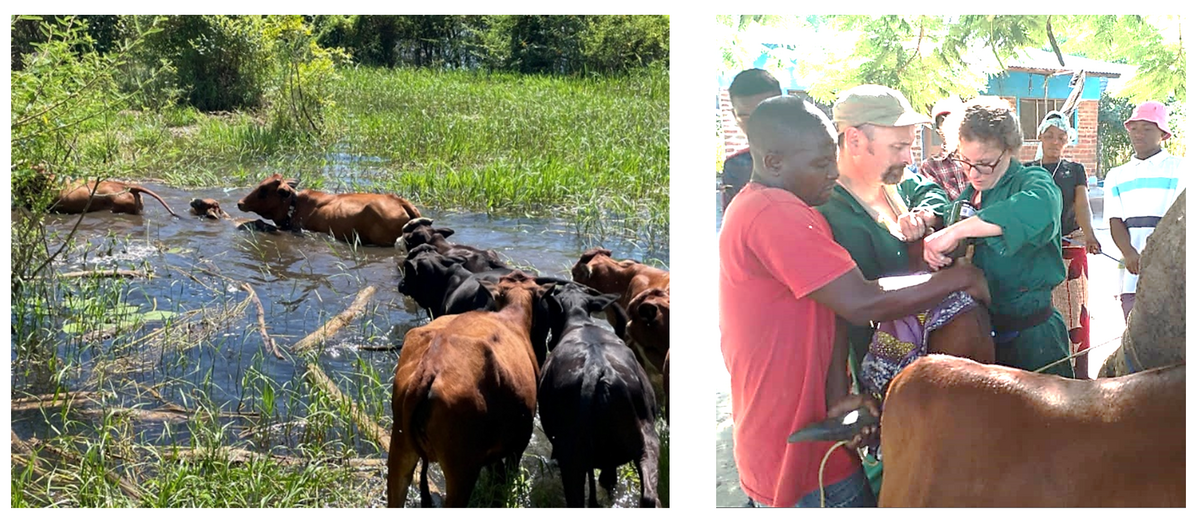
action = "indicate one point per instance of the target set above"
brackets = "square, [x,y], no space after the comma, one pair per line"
[981,168]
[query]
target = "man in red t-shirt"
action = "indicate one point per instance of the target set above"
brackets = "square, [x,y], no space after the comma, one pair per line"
[782,280]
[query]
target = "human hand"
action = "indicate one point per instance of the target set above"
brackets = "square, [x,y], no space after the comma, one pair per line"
[1133,261]
[1093,244]
[937,245]
[913,225]
[849,403]
[977,285]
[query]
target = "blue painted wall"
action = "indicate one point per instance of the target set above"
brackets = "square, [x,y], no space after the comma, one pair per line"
[1028,85]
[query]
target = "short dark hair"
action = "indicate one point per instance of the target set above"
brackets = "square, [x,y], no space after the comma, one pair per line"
[751,82]
[779,122]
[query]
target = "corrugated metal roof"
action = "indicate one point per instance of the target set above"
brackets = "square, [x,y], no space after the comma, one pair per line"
[1038,60]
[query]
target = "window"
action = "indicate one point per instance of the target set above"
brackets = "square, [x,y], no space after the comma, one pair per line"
[1032,111]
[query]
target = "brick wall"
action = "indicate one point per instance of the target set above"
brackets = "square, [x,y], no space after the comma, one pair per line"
[1085,151]
[731,135]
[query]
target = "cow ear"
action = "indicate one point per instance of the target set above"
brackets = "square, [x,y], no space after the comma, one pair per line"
[601,302]
[445,232]
[491,288]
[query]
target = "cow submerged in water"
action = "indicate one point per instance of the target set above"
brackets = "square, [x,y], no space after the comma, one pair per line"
[372,219]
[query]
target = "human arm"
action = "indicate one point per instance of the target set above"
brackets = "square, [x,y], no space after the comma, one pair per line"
[946,240]
[859,301]
[1083,218]
[837,381]
[1120,235]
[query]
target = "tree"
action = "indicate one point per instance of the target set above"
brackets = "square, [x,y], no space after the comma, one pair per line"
[930,57]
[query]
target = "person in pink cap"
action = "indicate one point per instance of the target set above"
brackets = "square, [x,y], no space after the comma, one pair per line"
[1138,193]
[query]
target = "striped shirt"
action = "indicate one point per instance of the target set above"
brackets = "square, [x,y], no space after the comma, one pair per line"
[1139,193]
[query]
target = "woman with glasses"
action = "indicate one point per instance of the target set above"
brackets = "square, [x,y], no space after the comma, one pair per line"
[1079,239]
[1015,230]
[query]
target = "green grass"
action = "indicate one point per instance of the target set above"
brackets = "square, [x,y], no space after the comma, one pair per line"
[593,150]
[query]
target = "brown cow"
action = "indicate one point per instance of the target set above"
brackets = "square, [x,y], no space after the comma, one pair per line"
[211,209]
[649,328]
[465,393]
[374,219]
[959,433]
[596,268]
[116,196]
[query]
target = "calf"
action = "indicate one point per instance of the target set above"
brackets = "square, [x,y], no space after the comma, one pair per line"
[95,196]
[596,268]
[959,433]
[374,219]
[464,394]
[420,231]
[211,209]
[596,403]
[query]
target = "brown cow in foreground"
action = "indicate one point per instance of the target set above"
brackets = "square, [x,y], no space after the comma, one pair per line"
[116,196]
[374,219]
[465,393]
[959,433]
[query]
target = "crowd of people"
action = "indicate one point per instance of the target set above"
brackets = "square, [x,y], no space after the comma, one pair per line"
[818,209]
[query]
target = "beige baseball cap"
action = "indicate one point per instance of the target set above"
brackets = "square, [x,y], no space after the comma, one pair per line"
[877,105]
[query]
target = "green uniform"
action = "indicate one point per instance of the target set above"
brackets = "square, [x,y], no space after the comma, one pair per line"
[1024,263]
[874,249]
[878,254]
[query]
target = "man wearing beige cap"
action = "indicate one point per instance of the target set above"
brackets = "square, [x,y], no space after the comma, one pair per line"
[878,209]
[1138,193]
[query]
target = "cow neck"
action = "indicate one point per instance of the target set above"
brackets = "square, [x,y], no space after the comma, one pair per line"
[302,198]
[520,308]
[576,319]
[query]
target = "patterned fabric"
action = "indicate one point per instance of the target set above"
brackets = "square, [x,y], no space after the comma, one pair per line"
[898,343]
[1070,297]
[946,173]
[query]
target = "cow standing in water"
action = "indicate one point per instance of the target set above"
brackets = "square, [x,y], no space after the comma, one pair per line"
[372,219]
[596,403]
[465,393]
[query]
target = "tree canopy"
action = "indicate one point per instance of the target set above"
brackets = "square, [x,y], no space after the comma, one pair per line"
[930,57]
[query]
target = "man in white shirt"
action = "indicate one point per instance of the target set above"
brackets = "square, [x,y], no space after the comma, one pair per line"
[1138,193]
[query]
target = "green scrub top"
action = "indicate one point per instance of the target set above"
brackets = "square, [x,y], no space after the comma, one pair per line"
[874,249]
[1024,263]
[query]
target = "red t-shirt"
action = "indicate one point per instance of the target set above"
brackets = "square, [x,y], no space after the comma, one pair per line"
[777,342]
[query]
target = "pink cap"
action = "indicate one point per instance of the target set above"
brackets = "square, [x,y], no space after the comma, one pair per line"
[1153,112]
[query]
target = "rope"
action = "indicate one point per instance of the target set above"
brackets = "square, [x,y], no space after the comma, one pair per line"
[1067,358]
[821,472]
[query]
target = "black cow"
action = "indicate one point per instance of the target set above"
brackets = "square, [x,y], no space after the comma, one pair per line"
[420,231]
[596,404]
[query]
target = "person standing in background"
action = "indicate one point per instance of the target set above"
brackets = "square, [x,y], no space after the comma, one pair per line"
[1138,193]
[1070,297]
[749,88]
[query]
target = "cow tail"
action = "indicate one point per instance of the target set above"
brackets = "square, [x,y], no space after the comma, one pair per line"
[420,402]
[586,417]
[135,190]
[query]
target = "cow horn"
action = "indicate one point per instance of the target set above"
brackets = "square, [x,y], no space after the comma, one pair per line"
[414,223]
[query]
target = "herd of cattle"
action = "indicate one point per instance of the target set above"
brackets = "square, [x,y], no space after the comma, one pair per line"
[502,345]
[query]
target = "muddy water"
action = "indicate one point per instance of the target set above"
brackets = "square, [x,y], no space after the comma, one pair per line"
[303,281]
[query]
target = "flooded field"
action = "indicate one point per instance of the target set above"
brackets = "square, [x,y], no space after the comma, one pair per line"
[188,337]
